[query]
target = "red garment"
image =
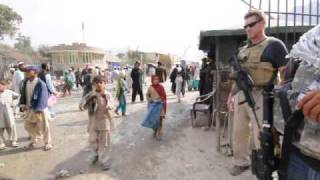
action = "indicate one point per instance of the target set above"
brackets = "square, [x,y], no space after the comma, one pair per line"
[160,90]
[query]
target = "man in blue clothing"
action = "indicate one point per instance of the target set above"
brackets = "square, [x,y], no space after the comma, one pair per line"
[18,77]
[45,76]
[34,102]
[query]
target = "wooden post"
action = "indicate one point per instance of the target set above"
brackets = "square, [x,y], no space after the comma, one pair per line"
[217,102]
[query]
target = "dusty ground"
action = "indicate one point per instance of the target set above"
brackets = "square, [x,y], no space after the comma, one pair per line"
[184,153]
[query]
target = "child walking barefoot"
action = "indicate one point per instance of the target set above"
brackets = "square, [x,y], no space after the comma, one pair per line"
[7,120]
[156,92]
[99,104]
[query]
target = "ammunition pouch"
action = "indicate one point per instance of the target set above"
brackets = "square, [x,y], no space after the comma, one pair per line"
[261,72]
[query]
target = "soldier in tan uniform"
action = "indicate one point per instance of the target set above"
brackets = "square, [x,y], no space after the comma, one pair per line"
[99,104]
[263,57]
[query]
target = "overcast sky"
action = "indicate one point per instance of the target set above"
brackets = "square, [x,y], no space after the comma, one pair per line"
[168,26]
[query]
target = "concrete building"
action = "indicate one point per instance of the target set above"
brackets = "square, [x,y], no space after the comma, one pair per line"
[77,55]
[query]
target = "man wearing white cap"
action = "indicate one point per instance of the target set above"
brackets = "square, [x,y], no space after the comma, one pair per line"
[18,77]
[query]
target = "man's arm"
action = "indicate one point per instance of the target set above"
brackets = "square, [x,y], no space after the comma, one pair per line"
[278,57]
[281,71]
[50,84]
[22,100]
[86,100]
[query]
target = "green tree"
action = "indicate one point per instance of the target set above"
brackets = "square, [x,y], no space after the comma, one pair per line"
[23,45]
[44,50]
[9,21]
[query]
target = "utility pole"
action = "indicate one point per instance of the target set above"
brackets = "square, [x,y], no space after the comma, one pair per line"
[82,28]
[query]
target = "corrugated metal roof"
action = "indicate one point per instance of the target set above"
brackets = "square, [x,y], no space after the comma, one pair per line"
[207,37]
[240,32]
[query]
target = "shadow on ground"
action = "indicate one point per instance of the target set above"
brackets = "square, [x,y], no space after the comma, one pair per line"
[133,142]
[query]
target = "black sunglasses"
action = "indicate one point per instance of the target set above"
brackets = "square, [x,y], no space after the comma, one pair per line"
[251,24]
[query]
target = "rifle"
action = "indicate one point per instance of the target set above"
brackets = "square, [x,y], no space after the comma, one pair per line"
[264,161]
[245,84]
[268,157]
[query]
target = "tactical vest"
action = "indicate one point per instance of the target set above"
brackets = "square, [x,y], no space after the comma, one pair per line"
[250,58]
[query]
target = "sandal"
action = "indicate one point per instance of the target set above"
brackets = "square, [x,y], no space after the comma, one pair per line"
[14,144]
[47,147]
[2,146]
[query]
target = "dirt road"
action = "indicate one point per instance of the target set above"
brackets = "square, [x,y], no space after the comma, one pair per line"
[185,153]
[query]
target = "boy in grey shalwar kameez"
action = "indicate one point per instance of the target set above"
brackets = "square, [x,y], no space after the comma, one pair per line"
[7,121]
[99,105]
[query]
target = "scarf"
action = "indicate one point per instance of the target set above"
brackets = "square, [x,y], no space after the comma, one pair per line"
[160,90]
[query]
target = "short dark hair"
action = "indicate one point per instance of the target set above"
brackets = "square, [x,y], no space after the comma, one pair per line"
[137,62]
[99,79]
[159,63]
[257,13]
[44,66]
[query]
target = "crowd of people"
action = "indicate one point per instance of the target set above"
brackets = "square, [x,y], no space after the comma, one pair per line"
[266,62]
[29,91]
[32,92]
